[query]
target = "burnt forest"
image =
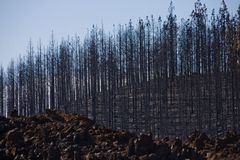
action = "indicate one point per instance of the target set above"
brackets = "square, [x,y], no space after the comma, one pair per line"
[156,89]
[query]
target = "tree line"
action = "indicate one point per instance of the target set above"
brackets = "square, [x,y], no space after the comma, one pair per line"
[166,77]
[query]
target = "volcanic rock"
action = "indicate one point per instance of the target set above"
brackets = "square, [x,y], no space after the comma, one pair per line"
[144,144]
[57,135]
[14,137]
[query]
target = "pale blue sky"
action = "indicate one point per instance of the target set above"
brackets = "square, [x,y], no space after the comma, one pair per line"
[21,20]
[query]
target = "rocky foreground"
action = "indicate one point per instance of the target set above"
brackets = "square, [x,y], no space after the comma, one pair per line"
[56,135]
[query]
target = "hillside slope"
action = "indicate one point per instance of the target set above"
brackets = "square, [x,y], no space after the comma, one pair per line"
[56,135]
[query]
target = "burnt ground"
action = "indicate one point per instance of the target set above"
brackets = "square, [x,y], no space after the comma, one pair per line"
[57,135]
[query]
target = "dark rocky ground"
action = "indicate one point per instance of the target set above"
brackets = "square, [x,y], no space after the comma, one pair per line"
[56,135]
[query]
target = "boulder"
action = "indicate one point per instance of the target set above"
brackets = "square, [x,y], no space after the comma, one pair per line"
[163,150]
[189,153]
[144,144]
[53,152]
[131,147]
[177,146]
[14,137]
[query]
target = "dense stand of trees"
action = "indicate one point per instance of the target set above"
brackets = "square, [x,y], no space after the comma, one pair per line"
[160,76]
